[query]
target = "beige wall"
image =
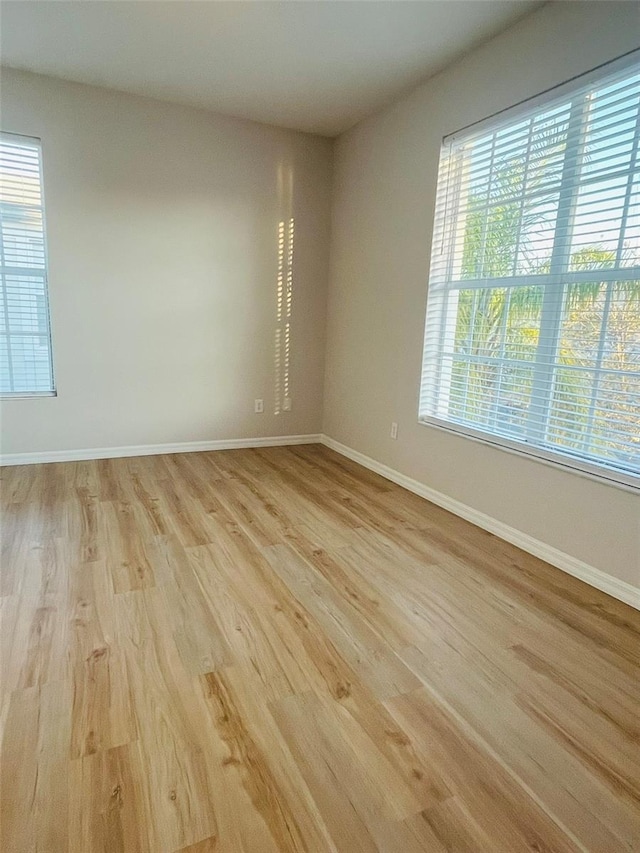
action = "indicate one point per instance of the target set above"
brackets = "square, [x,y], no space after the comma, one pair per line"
[384,186]
[162,230]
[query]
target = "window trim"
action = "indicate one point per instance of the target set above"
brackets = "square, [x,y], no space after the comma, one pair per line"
[500,118]
[26,395]
[567,462]
[551,314]
[53,390]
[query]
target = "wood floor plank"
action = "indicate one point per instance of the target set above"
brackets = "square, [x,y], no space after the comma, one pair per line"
[483,796]
[103,714]
[113,818]
[126,542]
[267,650]
[365,800]
[377,665]
[536,757]
[175,797]
[261,638]
[196,632]
[34,772]
[19,771]
[263,763]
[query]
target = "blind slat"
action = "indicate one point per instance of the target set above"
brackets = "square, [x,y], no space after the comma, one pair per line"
[25,340]
[533,312]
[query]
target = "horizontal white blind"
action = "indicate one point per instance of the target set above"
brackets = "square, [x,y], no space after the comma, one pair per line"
[532,335]
[25,345]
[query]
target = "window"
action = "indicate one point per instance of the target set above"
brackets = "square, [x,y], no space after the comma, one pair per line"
[532,337]
[25,340]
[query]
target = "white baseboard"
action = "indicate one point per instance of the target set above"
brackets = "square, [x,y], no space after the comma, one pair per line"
[154,449]
[589,574]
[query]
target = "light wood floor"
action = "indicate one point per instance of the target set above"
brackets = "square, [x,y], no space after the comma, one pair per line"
[276,650]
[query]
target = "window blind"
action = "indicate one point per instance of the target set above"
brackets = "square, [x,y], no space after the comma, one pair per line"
[532,335]
[25,344]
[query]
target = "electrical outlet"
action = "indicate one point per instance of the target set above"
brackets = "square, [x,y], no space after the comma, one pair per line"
[394,430]
[286,404]
[258,406]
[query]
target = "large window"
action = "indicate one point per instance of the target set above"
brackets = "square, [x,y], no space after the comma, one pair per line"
[25,341]
[532,336]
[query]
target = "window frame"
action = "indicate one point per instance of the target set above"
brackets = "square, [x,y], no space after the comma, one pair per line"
[21,138]
[553,298]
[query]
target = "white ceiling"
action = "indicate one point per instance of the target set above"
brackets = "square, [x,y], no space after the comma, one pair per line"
[318,66]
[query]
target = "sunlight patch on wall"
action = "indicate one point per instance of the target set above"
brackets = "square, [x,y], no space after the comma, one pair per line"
[284,294]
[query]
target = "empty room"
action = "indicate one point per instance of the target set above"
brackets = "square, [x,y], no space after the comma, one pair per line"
[319,426]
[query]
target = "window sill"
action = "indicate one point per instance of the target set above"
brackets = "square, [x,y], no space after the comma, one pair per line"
[619,479]
[26,395]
